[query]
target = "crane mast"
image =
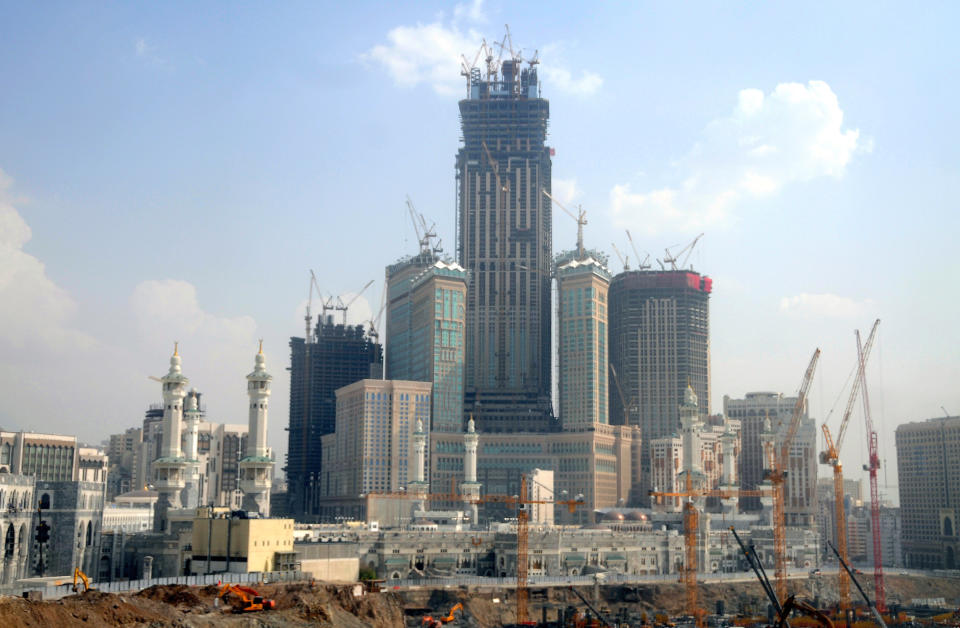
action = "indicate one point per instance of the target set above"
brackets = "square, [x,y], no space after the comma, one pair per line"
[777,475]
[872,467]
[831,456]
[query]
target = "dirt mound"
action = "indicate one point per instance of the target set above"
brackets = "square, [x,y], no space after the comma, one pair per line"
[99,610]
[174,595]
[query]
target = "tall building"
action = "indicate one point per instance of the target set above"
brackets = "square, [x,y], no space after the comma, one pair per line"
[332,356]
[800,488]
[928,471]
[374,448]
[425,333]
[504,240]
[659,344]
[170,469]
[582,283]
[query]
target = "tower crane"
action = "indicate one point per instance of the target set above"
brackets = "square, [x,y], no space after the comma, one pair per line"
[308,318]
[872,466]
[673,259]
[624,259]
[375,321]
[777,474]
[581,219]
[343,307]
[623,398]
[645,264]
[831,456]
[424,233]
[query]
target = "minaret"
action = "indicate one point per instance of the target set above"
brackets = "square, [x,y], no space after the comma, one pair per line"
[767,440]
[728,480]
[470,489]
[690,430]
[169,468]
[191,419]
[256,466]
[418,487]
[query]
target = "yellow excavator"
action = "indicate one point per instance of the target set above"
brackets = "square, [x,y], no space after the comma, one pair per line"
[78,575]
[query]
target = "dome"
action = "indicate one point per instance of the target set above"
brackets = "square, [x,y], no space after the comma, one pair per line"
[636,515]
[689,397]
[613,516]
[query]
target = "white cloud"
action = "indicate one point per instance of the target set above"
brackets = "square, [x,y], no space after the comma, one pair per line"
[792,135]
[431,54]
[823,306]
[564,190]
[36,312]
[141,47]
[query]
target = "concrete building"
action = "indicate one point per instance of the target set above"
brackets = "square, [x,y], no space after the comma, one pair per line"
[330,357]
[540,489]
[800,489]
[234,545]
[928,471]
[256,467]
[148,449]
[582,282]
[122,452]
[827,509]
[713,447]
[504,240]
[425,333]
[600,465]
[659,343]
[373,448]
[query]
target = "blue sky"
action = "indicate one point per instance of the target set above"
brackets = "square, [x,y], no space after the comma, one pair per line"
[171,172]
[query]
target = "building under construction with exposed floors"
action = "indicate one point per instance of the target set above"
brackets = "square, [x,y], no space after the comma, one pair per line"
[333,356]
[504,241]
[659,344]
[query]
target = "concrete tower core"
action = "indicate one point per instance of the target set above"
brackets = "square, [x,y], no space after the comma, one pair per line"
[256,466]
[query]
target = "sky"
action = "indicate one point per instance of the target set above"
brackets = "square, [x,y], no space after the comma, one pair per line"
[172,172]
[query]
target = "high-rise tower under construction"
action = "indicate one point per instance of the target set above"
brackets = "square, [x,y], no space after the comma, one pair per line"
[504,235]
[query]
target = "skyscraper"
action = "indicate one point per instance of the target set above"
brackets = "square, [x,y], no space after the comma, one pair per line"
[425,333]
[333,356]
[659,344]
[504,235]
[582,352]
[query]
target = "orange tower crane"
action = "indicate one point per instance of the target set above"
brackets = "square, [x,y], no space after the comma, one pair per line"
[831,456]
[777,474]
[523,517]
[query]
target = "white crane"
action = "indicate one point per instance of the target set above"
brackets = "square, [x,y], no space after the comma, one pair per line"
[672,259]
[581,219]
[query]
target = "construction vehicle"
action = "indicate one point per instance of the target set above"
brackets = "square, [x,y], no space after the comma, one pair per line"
[436,622]
[831,456]
[82,577]
[250,600]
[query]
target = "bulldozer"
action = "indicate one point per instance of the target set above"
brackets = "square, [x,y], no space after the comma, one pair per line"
[436,622]
[250,600]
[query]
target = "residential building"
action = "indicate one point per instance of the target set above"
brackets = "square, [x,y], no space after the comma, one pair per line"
[373,449]
[582,282]
[425,333]
[800,488]
[928,471]
[659,344]
[330,357]
[504,240]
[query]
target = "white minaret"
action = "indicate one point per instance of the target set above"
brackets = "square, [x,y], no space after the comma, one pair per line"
[767,439]
[418,487]
[257,465]
[169,468]
[191,419]
[728,479]
[470,489]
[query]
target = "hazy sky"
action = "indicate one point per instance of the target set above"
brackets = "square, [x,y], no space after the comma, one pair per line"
[171,172]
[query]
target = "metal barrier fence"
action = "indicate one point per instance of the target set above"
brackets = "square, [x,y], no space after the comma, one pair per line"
[55,592]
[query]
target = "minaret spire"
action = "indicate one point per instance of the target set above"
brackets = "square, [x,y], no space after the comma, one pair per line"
[257,465]
[169,468]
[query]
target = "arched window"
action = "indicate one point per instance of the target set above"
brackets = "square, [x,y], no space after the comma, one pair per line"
[45,501]
[6,453]
[947,527]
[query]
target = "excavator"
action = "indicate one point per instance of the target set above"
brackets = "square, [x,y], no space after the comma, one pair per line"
[250,599]
[436,622]
[82,577]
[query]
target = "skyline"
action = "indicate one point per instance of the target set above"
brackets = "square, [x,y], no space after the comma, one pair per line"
[169,179]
